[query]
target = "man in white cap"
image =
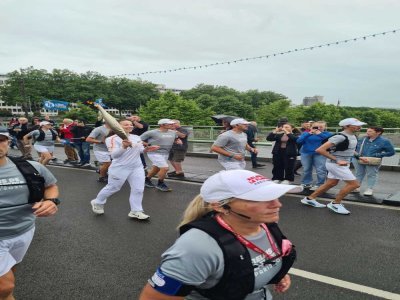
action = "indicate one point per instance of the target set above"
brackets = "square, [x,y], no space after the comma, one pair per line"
[18,211]
[231,145]
[164,137]
[339,149]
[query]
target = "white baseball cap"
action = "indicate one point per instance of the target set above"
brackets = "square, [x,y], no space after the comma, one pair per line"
[244,185]
[351,122]
[165,122]
[44,123]
[239,121]
[4,131]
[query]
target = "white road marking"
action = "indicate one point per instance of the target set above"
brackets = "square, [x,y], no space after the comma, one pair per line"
[345,284]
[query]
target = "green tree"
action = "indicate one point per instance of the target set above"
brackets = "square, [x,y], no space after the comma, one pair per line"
[268,114]
[82,112]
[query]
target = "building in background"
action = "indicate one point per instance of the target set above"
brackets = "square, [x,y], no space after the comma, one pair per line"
[163,89]
[308,101]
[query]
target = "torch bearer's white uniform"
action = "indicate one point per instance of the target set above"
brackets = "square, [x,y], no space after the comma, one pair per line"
[125,165]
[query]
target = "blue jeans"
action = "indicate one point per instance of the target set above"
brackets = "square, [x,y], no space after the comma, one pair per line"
[83,151]
[370,171]
[316,160]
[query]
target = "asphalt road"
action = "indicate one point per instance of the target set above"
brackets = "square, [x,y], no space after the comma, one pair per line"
[78,255]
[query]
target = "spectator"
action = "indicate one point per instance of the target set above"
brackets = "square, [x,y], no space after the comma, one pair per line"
[339,149]
[284,153]
[81,132]
[67,136]
[369,148]
[251,139]
[309,142]
[44,137]
[47,119]
[20,130]
[17,216]
[178,151]
[139,127]
[231,145]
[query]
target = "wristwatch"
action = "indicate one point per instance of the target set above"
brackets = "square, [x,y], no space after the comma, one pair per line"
[56,201]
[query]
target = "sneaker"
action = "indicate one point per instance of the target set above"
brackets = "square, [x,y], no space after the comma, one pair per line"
[356,190]
[163,187]
[177,175]
[98,209]
[84,165]
[138,215]
[148,183]
[171,173]
[314,188]
[368,192]
[276,181]
[338,208]
[103,179]
[312,202]
[285,182]
[258,166]
[306,186]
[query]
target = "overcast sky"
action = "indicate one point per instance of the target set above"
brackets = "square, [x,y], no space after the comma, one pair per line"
[127,36]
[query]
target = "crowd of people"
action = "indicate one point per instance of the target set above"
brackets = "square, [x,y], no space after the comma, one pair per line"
[235,214]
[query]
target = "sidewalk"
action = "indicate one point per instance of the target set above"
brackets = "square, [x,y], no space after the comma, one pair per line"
[199,166]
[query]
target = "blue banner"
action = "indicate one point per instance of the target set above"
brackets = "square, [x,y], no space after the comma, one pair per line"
[100,102]
[55,105]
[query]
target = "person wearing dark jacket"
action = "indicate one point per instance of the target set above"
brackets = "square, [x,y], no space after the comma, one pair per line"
[284,153]
[20,130]
[81,132]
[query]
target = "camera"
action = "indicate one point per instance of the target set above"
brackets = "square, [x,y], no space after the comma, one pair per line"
[315,127]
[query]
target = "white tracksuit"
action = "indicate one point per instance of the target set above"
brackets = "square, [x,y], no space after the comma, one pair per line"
[125,165]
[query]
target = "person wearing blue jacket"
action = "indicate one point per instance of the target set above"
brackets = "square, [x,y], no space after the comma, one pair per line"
[309,142]
[372,145]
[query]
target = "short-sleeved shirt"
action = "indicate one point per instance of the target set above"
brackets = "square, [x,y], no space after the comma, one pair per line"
[346,154]
[16,214]
[99,133]
[196,259]
[184,140]
[140,131]
[232,142]
[164,139]
[48,137]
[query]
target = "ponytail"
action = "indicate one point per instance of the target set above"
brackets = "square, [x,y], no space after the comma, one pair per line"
[196,209]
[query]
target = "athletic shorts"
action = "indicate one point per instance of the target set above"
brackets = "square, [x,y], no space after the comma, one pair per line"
[13,250]
[158,160]
[177,155]
[339,172]
[233,165]
[102,156]
[41,149]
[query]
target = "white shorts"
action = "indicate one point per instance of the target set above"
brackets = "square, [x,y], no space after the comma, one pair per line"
[41,149]
[339,172]
[102,156]
[13,250]
[233,165]
[158,160]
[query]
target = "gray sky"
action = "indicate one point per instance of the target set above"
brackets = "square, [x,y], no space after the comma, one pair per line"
[128,36]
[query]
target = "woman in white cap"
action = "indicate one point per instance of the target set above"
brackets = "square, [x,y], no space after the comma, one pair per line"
[44,138]
[230,245]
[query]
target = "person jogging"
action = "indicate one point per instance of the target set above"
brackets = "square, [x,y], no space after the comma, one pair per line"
[125,166]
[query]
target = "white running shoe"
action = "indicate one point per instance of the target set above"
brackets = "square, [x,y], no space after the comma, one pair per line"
[285,182]
[276,181]
[312,202]
[368,192]
[357,190]
[138,215]
[98,209]
[338,208]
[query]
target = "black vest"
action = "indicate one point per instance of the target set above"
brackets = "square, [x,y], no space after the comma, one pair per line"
[42,135]
[238,278]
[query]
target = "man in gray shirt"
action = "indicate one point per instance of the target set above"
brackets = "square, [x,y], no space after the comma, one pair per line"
[165,136]
[338,166]
[231,145]
[17,216]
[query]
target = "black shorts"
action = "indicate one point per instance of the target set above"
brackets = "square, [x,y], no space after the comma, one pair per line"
[177,155]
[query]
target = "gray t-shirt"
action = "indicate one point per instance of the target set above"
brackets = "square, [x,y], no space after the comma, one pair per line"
[48,137]
[163,139]
[346,154]
[99,133]
[16,215]
[196,259]
[232,142]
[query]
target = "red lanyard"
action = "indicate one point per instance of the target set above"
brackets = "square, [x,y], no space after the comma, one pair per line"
[249,244]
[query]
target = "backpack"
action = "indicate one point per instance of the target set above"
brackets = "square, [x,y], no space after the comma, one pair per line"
[42,135]
[342,146]
[34,180]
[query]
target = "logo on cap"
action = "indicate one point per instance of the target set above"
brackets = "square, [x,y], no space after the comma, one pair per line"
[257,179]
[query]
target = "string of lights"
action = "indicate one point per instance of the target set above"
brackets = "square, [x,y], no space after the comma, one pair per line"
[266,56]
